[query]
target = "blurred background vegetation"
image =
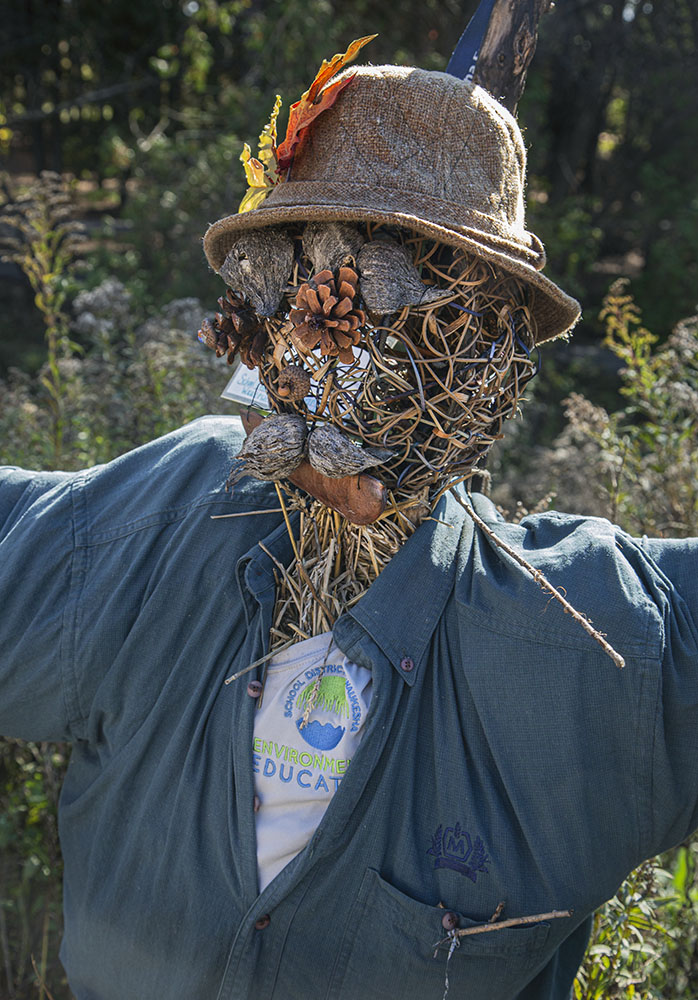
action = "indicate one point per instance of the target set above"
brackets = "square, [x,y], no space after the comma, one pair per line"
[139,113]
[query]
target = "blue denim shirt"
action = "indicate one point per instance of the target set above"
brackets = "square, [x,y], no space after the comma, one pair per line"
[505,759]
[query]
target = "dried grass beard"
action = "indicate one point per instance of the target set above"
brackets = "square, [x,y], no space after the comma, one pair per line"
[434,383]
[334,564]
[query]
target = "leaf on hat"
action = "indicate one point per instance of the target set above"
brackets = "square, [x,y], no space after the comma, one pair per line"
[313,102]
[261,170]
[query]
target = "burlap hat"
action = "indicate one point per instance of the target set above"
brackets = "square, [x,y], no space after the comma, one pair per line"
[424,151]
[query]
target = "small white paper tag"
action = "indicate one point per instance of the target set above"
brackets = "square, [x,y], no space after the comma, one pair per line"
[245,387]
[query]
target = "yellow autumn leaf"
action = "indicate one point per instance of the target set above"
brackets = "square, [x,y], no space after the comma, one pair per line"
[253,199]
[267,139]
[261,170]
[254,170]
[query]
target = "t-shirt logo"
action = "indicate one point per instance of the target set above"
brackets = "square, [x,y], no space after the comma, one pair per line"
[331,706]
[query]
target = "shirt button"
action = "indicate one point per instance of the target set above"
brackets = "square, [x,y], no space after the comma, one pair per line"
[257,805]
[407,664]
[263,922]
[449,920]
[254,689]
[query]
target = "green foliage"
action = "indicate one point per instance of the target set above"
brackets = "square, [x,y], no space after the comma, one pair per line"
[132,382]
[30,869]
[610,117]
[644,940]
[43,240]
[626,943]
[573,233]
[646,451]
[179,186]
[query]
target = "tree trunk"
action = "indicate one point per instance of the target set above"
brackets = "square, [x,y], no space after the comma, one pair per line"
[508,48]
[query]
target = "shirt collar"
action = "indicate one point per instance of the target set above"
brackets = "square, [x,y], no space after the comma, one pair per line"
[255,570]
[402,608]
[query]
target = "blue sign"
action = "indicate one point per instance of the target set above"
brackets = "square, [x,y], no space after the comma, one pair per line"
[464,58]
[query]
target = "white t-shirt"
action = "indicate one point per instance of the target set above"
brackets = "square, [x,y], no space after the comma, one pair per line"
[298,768]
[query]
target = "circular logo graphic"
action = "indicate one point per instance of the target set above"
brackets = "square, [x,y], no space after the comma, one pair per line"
[330,705]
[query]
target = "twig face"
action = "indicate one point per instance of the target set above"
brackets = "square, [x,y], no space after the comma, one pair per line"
[433,382]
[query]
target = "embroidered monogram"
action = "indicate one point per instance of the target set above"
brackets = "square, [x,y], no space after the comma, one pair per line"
[454,848]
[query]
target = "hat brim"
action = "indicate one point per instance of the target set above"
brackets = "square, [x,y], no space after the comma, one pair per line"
[554,311]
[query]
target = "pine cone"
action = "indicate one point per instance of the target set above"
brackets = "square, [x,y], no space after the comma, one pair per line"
[293,383]
[235,330]
[324,314]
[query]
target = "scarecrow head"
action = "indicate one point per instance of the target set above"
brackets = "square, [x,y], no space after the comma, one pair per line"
[384,284]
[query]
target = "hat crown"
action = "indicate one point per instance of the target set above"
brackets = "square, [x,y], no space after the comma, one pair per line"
[424,151]
[412,135]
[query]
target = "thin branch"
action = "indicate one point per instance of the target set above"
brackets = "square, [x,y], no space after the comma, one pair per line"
[259,662]
[40,982]
[512,922]
[246,513]
[543,583]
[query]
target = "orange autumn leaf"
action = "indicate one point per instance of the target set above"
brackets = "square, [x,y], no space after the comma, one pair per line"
[313,102]
[301,115]
[331,68]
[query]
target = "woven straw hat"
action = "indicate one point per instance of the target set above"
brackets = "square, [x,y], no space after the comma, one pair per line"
[424,151]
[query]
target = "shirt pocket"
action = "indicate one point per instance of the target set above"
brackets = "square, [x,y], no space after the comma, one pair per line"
[387,952]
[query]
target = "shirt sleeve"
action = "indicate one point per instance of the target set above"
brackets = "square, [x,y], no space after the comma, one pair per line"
[674,566]
[677,561]
[36,590]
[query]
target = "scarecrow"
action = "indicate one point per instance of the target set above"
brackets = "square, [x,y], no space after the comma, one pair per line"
[339,730]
